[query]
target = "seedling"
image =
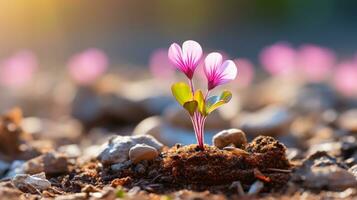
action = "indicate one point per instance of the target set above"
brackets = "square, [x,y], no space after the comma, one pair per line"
[197,103]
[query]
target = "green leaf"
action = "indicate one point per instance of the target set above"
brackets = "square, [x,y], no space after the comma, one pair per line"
[182,92]
[120,193]
[190,106]
[215,102]
[200,101]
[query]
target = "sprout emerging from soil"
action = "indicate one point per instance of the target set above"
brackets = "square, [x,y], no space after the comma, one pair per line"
[217,72]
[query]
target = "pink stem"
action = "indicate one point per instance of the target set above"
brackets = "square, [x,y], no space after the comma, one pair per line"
[195,119]
[203,127]
[191,86]
[194,124]
[201,120]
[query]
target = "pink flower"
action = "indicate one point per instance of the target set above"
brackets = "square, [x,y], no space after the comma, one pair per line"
[278,59]
[187,58]
[345,78]
[246,71]
[218,72]
[87,66]
[18,69]
[160,65]
[200,74]
[316,62]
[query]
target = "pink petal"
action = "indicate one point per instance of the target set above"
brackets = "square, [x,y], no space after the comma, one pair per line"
[160,65]
[278,59]
[228,71]
[212,63]
[18,69]
[246,72]
[192,53]
[88,66]
[316,62]
[175,56]
[345,78]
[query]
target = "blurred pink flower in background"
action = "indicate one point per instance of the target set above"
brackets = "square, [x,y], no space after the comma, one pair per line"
[315,62]
[278,59]
[187,58]
[18,69]
[245,71]
[88,66]
[345,78]
[160,66]
[217,71]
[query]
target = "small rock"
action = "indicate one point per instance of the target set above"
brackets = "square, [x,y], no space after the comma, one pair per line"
[149,126]
[314,98]
[117,149]
[230,136]
[90,152]
[156,104]
[348,120]
[271,121]
[349,145]
[133,191]
[141,152]
[334,177]
[76,196]
[50,163]
[32,184]
[321,134]
[333,148]
[17,167]
[293,153]
[94,107]
[3,167]
[63,131]
[353,170]
[329,116]
[256,188]
[11,133]
[323,171]
[71,150]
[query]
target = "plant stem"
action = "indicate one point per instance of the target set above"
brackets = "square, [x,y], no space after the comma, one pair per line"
[194,124]
[196,119]
[191,86]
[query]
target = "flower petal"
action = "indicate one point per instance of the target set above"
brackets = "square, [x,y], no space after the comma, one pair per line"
[18,69]
[228,71]
[175,56]
[212,62]
[278,59]
[315,62]
[88,65]
[192,53]
[345,78]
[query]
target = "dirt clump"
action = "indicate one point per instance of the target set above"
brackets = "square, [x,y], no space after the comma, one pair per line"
[213,166]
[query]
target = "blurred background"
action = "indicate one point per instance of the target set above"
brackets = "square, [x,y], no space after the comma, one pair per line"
[128,31]
[105,64]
